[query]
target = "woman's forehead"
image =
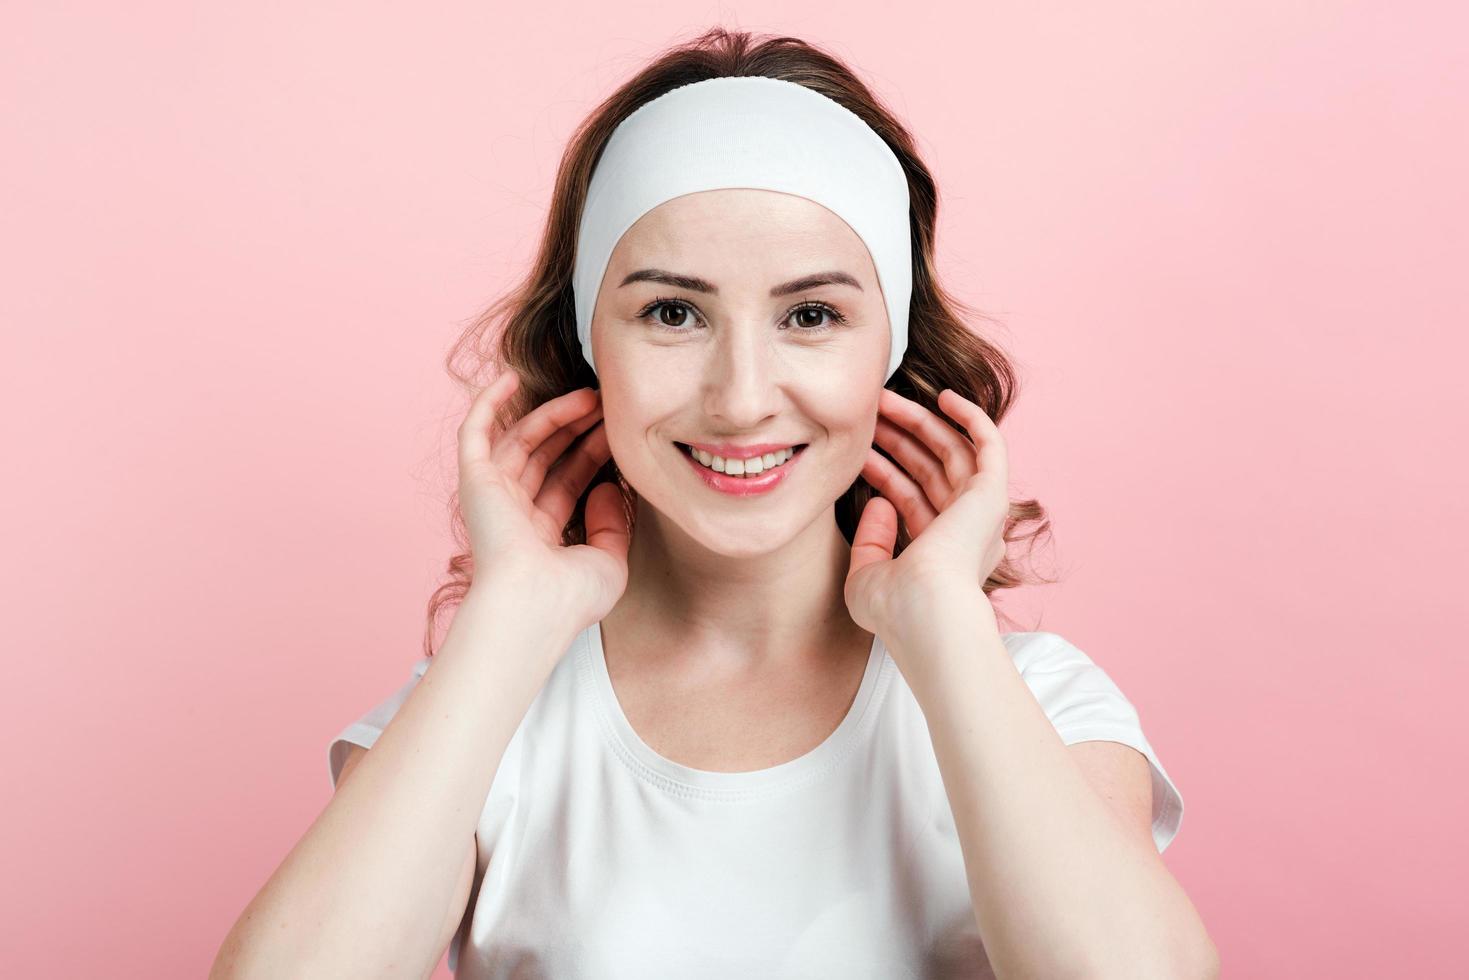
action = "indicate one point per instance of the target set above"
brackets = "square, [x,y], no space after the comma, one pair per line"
[741,229]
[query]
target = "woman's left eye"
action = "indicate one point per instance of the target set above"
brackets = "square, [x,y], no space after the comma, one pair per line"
[820,309]
[807,316]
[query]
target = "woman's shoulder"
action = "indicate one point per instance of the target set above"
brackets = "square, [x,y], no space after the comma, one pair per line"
[1041,649]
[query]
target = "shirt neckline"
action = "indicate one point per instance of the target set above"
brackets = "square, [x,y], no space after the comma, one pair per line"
[707,784]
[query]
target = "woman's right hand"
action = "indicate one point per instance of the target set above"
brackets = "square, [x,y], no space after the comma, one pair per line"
[517,492]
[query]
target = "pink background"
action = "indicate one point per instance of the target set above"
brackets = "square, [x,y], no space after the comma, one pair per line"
[1227,242]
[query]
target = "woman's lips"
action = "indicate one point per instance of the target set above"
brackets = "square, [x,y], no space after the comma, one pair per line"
[742,486]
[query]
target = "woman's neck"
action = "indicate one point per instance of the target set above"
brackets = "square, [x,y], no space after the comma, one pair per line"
[781,610]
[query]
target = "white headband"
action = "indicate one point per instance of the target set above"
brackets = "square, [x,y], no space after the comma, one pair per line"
[748,131]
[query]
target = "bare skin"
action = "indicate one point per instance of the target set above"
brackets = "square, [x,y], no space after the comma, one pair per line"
[689,711]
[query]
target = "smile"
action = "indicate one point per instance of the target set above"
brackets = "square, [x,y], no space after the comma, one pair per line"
[736,476]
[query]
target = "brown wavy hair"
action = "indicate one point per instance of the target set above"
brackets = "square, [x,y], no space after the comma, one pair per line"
[536,320]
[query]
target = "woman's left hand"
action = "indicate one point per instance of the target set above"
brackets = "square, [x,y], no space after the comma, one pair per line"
[954,497]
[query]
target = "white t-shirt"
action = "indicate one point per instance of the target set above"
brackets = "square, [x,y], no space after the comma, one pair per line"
[606,860]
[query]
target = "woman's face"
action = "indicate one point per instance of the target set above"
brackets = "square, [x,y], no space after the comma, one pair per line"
[729,354]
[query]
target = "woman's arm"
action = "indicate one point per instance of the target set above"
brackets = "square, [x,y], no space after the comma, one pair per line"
[1062,889]
[457,906]
[366,891]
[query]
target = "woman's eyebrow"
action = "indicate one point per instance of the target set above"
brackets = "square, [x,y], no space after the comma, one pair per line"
[835,277]
[697,285]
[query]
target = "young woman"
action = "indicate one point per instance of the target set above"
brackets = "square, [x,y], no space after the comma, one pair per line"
[725,693]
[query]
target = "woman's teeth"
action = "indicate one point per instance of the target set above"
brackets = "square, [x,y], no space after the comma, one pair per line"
[753,466]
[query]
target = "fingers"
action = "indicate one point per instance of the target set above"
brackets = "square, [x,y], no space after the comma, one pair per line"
[906,497]
[993,459]
[533,451]
[916,460]
[958,455]
[552,449]
[564,484]
[474,438]
[606,521]
[876,534]
[512,450]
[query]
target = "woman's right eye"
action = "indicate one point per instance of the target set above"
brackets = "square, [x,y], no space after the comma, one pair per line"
[665,303]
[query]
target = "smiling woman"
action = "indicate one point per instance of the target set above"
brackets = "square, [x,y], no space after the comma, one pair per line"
[799,270]
[737,497]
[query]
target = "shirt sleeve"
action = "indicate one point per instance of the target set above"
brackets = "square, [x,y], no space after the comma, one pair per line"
[1084,704]
[365,730]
